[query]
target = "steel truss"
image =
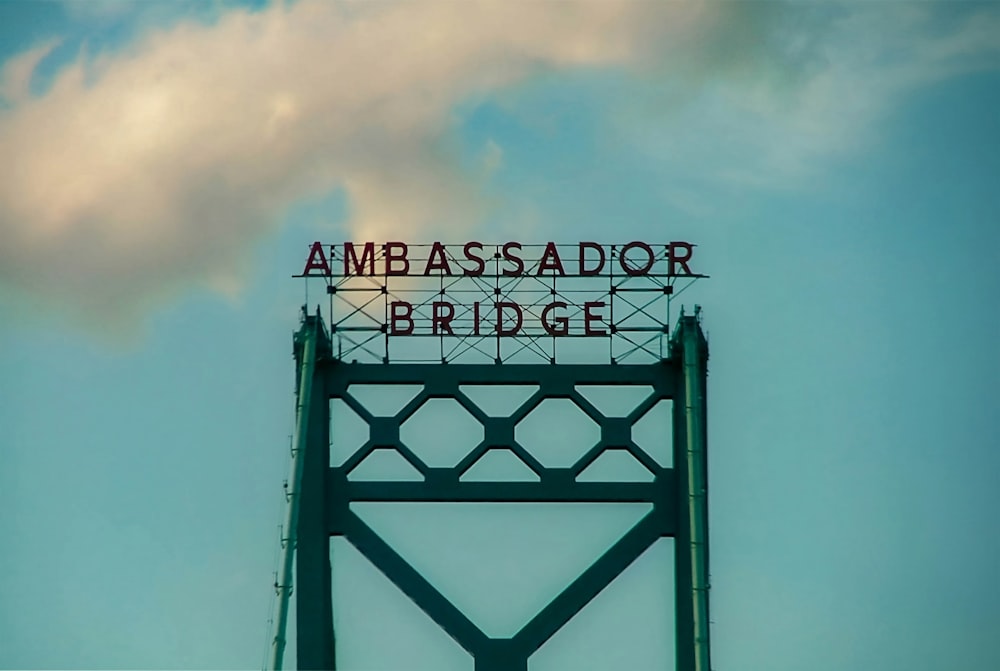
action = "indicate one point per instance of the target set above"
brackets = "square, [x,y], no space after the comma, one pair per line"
[678,495]
[637,319]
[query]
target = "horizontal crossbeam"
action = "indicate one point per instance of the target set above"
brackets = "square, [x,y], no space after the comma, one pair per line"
[661,376]
[347,491]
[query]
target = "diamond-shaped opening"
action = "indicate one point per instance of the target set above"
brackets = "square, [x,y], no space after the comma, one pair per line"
[348,432]
[498,400]
[615,466]
[441,432]
[628,625]
[557,433]
[654,433]
[614,400]
[384,400]
[401,636]
[499,464]
[385,464]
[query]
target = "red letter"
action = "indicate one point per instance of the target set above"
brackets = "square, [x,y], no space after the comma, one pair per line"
[677,258]
[396,317]
[444,320]
[480,263]
[475,318]
[584,271]
[637,271]
[561,327]
[587,318]
[517,324]
[518,263]
[390,258]
[313,264]
[438,249]
[359,266]
[554,264]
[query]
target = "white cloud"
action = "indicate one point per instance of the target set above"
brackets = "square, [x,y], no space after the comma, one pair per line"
[142,171]
[15,76]
[847,68]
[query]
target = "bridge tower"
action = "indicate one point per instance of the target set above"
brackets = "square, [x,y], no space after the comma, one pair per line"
[321,501]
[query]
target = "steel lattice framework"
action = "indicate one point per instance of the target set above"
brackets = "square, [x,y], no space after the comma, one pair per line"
[678,495]
[637,319]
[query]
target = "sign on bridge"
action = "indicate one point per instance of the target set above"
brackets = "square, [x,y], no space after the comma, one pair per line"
[501,302]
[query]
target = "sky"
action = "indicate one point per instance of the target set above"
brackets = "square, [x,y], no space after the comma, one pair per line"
[165,167]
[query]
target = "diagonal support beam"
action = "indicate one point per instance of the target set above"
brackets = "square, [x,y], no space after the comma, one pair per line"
[414,585]
[581,591]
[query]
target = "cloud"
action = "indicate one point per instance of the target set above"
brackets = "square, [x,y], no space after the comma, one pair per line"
[100,9]
[144,171]
[15,76]
[818,86]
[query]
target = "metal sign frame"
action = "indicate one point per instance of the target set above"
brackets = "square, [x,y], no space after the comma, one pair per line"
[632,324]
[321,495]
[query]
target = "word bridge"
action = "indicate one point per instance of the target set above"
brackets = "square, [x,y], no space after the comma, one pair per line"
[502,302]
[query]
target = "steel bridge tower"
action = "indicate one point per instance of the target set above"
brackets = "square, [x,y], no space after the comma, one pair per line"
[320,508]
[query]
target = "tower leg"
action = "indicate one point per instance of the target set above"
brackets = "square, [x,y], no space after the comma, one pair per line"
[690,350]
[313,607]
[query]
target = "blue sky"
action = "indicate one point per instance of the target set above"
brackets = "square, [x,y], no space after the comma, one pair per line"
[165,167]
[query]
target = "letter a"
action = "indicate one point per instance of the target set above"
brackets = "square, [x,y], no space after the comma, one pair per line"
[313,264]
[550,260]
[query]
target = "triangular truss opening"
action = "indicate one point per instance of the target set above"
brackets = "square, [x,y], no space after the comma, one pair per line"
[385,464]
[498,573]
[499,465]
[615,465]
[498,400]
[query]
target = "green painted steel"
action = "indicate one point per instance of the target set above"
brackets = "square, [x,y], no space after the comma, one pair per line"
[678,495]
[315,643]
[690,349]
[306,353]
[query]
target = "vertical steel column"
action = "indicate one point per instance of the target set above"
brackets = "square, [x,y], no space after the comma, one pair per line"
[313,604]
[305,354]
[690,351]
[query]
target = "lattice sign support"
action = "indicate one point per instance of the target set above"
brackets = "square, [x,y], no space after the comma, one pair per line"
[509,303]
[678,494]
